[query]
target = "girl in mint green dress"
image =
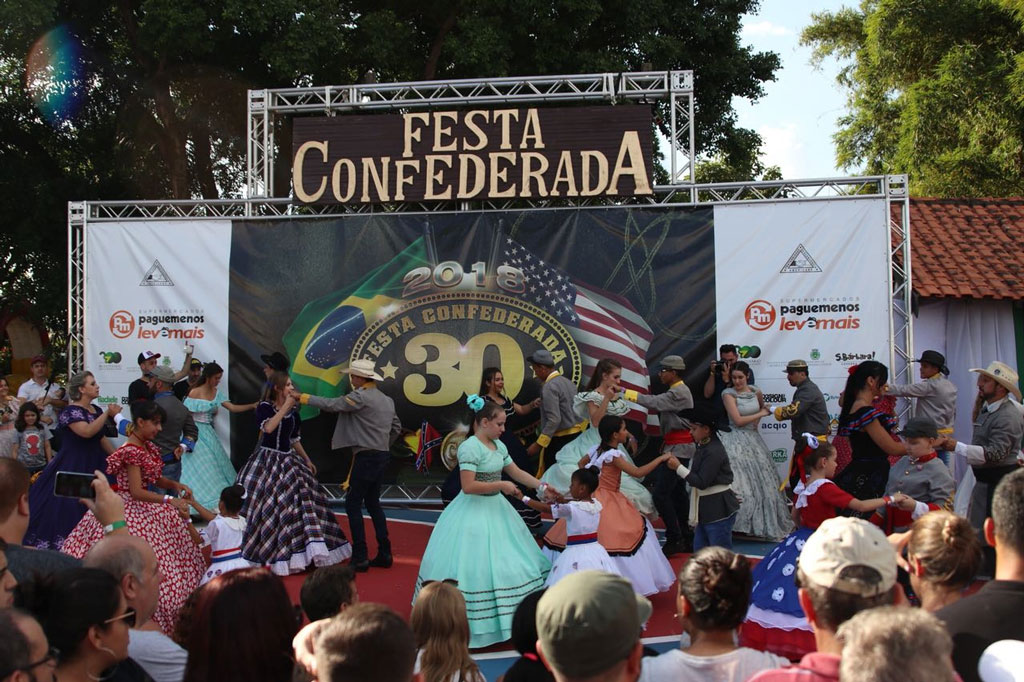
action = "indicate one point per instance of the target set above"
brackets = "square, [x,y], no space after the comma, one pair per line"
[479,540]
[207,469]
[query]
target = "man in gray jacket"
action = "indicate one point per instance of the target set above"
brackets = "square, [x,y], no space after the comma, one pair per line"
[179,433]
[559,422]
[935,394]
[368,424]
[995,442]
[669,489]
[806,414]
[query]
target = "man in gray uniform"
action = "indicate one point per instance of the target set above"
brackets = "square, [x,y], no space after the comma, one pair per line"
[368,424]
[179,432]
[995,442]
[559,421]
[807,413]
[669,490]
[935,394]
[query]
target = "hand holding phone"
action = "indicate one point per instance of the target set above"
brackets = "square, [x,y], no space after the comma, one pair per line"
[74,484]
[189,348]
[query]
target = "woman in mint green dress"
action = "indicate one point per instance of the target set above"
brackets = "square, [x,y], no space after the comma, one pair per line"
[603,396]
[479,540]
[207,469]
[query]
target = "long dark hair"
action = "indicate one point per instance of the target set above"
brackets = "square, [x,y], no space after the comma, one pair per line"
[210,369]
[859,378]
[250,608]
[487,377]
[606,428]
[604,366]
[70,602]
[19,422]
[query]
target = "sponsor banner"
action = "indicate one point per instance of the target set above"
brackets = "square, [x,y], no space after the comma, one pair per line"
[434,305]
[155,286]
[474,154]
[802,280]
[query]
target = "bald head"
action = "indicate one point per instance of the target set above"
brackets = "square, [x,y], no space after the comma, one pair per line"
[132,561]
[119,555]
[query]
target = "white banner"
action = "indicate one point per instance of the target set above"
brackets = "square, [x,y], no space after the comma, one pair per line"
[155,286]
[802,280]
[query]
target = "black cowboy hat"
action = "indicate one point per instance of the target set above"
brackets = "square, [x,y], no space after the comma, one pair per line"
[276,361]
[703,413]
[934,357]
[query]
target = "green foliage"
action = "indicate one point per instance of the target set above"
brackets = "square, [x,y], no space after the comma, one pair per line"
[164,84]
[935,89]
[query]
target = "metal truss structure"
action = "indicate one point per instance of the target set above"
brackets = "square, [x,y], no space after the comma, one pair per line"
[265,106]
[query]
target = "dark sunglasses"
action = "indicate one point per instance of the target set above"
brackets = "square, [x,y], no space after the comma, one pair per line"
[447,581]
[128,617]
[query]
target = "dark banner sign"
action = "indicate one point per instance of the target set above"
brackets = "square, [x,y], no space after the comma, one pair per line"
[474,154]
[433,308]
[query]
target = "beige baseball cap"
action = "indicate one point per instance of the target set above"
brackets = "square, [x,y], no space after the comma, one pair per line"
[841,544]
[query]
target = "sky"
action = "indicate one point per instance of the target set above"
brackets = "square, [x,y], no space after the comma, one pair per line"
[796,118]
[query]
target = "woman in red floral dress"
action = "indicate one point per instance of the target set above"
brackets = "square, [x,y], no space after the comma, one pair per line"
[161,520]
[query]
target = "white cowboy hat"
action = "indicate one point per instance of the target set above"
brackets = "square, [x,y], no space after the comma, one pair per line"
[363,368]
[1004,375]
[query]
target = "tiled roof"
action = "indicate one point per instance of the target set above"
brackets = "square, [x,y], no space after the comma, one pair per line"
[968,248]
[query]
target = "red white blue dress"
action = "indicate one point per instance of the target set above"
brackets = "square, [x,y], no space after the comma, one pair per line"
[775,620]
[224,535]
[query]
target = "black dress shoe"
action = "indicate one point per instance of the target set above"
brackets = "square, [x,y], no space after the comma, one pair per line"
[361,566]
[673,547]
[382,561]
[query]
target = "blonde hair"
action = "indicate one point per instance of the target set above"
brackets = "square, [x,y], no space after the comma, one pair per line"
[947,547]
[441,629]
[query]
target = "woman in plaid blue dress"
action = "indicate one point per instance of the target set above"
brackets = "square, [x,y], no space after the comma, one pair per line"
[289,526]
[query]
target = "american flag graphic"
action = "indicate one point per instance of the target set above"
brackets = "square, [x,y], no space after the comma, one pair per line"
[603,325]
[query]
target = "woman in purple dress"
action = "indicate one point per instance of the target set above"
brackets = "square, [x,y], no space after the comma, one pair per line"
[84,447]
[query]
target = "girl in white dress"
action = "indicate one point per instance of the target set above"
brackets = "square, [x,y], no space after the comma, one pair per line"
[223,533]
[582,516]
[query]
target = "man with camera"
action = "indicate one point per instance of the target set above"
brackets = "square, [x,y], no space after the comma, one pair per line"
[720,378]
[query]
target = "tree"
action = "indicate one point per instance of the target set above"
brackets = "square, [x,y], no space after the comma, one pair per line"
[934,90]
[145,99]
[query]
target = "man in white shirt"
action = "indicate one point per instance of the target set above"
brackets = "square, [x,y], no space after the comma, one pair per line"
[48,395]
[131,560]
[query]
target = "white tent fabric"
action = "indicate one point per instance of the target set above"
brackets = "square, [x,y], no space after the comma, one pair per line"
[970,333]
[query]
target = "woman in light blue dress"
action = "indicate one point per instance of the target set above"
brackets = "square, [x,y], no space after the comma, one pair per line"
[479,540]
[603,396]
[763,511]
[207,469]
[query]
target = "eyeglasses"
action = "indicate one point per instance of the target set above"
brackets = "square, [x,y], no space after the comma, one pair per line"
[51,656]
[447,581]
[128,617]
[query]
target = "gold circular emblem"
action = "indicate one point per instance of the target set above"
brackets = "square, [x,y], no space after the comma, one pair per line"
[450,448]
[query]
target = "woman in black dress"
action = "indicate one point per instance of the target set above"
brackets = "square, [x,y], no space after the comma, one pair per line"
[869,432]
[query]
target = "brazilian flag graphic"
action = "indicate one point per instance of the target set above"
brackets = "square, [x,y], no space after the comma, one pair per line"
[321,338]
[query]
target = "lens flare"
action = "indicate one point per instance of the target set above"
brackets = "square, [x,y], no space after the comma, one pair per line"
[54,75]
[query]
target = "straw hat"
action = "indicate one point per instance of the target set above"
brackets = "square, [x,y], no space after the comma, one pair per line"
[1002,374]
[363,368]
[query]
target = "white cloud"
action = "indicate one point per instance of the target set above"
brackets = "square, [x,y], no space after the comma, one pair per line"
[784,147]
[756,29]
